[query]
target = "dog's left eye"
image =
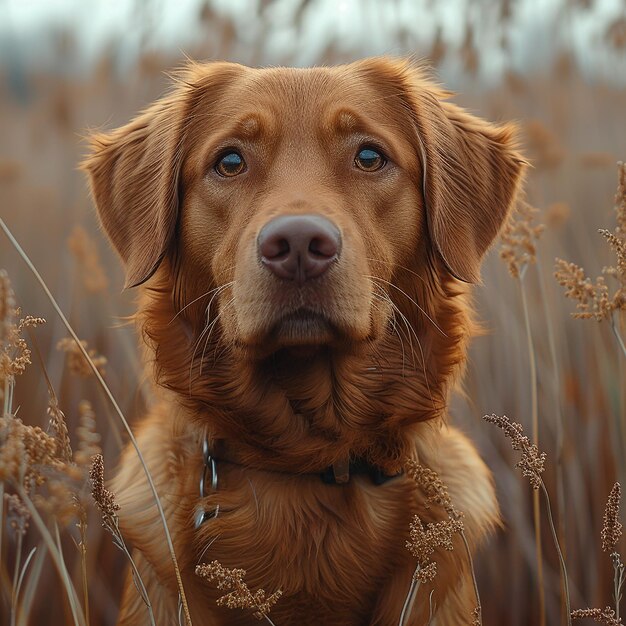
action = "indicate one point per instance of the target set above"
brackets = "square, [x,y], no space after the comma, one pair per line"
[369,160]
[230,164]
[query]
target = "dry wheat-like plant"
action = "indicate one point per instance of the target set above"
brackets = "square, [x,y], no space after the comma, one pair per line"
[108,506]
[606,616]
[49,540]
[612,527]
[615,34]
[544,146]
[36,466]
[532,464]
[594,298]
[469,51]
[85,251]
[239,596]
[15,355]
[519,251]
[76,361]
[611,533]
[424,539]
[519,239]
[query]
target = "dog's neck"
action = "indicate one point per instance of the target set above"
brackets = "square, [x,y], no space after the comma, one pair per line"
[307,412]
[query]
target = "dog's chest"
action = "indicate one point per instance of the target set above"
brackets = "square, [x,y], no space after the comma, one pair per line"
[330,547]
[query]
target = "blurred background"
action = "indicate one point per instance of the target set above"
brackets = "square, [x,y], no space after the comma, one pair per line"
[557,67]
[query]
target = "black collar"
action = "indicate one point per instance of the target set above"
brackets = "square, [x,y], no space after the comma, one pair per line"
[337,474]
[340,473]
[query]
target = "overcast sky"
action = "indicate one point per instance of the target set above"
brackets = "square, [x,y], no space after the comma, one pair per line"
[355,27]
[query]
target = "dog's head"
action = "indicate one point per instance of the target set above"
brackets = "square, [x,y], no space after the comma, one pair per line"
[304,209]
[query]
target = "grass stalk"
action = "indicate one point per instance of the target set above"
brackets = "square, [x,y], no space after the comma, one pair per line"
[409,601]
[1,516]
[137,579]
[16,572]
[617,334]
[431,608]
[82,547]
[618,581]
[557,545]
[560,426]
[6,411]
[74,602]
[117,409]
[57,557]
[32,583]
[473,574]
[535,434]
[18,587]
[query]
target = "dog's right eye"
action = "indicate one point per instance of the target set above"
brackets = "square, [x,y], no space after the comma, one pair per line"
[230,164]
[369,160]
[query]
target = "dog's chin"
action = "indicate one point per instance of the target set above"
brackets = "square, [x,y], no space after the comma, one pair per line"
[302,329]
[301,334]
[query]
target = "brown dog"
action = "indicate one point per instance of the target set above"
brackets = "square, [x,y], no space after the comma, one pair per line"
[303,238]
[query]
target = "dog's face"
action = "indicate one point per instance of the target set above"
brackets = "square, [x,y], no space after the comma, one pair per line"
[294,196]
[293,199]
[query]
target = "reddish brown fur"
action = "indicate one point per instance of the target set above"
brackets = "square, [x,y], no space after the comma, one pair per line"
[375,385]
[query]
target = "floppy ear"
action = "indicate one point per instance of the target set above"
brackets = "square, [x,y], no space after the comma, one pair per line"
[472,174]
[133,173]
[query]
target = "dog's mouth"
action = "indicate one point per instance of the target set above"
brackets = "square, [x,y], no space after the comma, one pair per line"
[302,327]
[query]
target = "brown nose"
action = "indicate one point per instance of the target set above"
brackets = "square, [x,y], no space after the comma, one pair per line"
[299,247]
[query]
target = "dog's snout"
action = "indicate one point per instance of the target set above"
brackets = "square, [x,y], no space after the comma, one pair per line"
[299,247]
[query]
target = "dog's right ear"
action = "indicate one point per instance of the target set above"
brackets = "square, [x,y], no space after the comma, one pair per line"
[134,171]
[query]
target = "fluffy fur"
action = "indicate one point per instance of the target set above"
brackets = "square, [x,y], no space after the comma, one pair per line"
[371,380]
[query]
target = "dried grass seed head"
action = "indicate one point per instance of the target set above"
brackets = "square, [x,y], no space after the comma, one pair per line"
[7,307]
[429,482]
[28,455]
[424,539]
[104,499]
[76,360]
[85,250]
[239,596]
[88,437]
[17,514]
[612,527]
[594,299]
[519,238]
[58,424]
[532,462]
[14,351]
[606,616]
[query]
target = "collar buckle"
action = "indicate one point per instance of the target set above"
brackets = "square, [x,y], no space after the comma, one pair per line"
[202,515]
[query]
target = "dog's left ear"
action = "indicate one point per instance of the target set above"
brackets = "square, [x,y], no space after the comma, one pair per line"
[472,173]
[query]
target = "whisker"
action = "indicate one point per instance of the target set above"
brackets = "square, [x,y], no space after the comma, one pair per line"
[419,343]
[208,545]
[220,339]
[206,343]
[397,313]
[374,278]
[208,327]
[394,328]
[193,356]
[397,265]
[204,295]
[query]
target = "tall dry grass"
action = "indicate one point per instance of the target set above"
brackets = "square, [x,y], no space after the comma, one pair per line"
[564,379]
